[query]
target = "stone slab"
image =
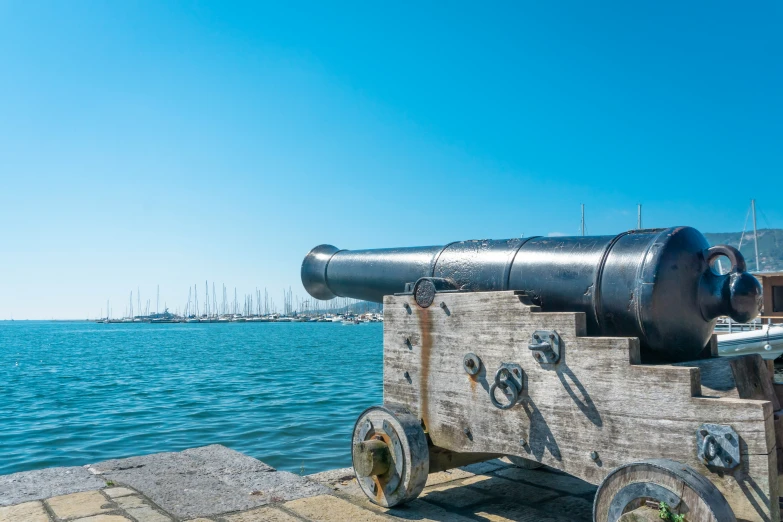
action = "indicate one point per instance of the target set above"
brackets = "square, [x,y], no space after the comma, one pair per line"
[442,477]
[207,481]
[501,487]
[105,518]
[575,508]
[77,505]
[456,494]
[147,514]
[332,476]
[422,511]
[512,512]
[45,483]
[118,492]
[264,514]
[140,509]
[27,512]
[207,459]
[220,459]
[327,508]
[548,478]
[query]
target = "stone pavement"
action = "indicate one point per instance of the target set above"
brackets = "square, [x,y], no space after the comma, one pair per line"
[217,484]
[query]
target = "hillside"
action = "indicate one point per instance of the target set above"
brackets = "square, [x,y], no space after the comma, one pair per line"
[770,247]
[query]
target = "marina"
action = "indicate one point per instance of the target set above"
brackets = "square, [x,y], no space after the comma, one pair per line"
[348,318]
[255,308]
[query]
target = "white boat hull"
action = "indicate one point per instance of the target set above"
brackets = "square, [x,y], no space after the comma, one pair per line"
[766,341]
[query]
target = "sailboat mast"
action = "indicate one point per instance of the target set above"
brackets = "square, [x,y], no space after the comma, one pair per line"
[755,233]
[639,217]
[583,219]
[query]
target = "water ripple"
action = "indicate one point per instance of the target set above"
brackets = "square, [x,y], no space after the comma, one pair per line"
[288,394]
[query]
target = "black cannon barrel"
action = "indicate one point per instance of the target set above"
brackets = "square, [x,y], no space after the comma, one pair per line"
[656,284]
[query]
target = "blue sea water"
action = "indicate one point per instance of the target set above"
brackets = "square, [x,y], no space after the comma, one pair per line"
[73,393]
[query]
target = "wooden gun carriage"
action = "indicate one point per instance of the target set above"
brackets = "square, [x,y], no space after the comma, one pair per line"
[598,413]
[471,374]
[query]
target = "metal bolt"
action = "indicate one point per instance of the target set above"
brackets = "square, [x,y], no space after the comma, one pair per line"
[374,487]
[552,336]
[522,442]
[516,371]
[728,436]
[470,363]
[443,305]
[728,459]
[466,431]
[538,356]
[594,455]
[704,433]
[536,337]
[407,375]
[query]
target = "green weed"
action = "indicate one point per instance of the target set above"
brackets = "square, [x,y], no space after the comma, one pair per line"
[665,513]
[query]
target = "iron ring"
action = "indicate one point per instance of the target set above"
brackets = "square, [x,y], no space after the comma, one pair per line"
[496,403]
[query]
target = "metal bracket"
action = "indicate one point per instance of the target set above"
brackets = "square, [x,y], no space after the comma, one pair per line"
[509,379]
[546,346]
[718,445]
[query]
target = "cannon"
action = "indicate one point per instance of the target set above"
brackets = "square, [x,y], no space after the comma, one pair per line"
[591,355]
[656,285]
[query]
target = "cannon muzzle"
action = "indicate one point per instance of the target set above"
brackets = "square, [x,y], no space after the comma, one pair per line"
[657,285]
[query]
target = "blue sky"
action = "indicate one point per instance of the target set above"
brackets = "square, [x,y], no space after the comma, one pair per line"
[146,143]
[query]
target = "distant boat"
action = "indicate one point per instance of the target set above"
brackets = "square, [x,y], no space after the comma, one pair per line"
[766,341]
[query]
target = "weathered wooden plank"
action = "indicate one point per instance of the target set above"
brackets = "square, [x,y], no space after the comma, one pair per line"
[741,377]
[778,388]
[598,398]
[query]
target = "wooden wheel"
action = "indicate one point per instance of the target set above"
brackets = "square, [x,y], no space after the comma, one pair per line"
[685,491]
[390,455]
[522,462]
